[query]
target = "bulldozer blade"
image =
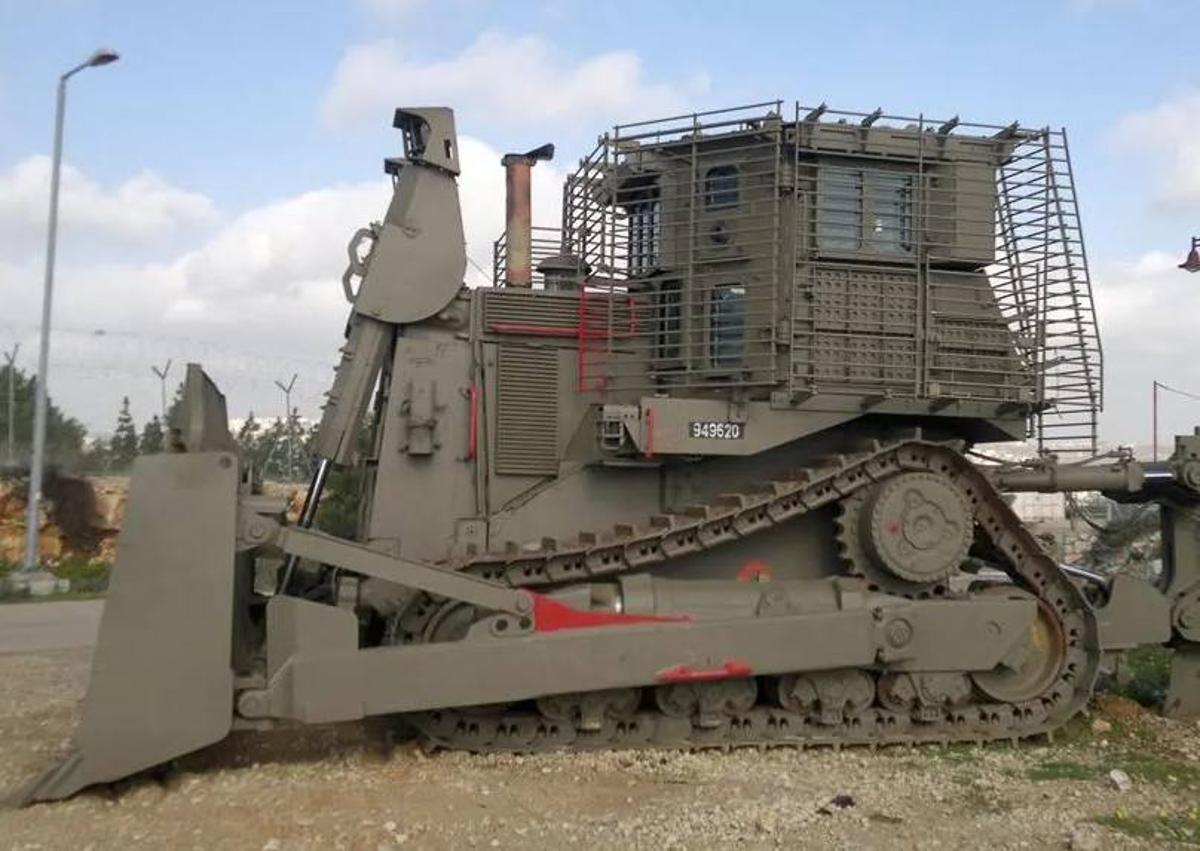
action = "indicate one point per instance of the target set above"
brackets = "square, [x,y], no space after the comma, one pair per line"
[162,680]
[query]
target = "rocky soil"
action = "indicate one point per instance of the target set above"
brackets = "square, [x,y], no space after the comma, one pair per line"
[94,535]
[101,500]
[1118,779]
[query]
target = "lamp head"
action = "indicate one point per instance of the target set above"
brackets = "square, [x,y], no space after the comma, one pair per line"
[103,56]
[1192,263]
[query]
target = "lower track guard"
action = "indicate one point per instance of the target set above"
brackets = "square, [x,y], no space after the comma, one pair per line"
[162,681]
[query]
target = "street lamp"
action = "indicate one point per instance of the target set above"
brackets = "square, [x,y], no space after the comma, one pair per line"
[1192,264]
[103,56]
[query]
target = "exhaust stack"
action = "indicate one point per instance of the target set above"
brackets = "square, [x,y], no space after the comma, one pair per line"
[518,254]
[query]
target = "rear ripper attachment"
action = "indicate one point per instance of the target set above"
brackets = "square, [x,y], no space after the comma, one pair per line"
[750,365]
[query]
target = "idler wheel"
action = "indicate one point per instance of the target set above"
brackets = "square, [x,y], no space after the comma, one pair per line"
[1045,654]
[918,526]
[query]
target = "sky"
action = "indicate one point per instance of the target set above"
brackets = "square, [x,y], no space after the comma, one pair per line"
[214,174]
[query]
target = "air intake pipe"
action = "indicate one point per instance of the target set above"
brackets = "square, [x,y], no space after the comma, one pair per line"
[518,254]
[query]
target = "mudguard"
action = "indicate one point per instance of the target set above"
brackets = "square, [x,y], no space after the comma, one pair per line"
[162,678]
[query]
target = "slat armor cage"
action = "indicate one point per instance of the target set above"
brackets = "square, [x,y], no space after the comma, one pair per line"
[832,252]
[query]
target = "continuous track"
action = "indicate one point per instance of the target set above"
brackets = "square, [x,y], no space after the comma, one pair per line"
[628,722]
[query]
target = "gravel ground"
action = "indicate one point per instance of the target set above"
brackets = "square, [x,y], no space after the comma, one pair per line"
[356,786]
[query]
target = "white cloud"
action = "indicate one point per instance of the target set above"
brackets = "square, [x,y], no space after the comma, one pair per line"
[282,247]
[389,10]
[140,210]
[500,80]
[267,281]
[274,247]
[1170,133]
[1147,308]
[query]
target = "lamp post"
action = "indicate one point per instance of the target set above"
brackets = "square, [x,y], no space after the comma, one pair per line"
[1158,385]
[1154,419]
[1192,263]
[38,463]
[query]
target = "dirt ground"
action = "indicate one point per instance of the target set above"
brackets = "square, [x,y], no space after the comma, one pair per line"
[362,786]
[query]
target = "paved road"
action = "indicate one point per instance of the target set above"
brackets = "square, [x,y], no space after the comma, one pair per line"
[31,627]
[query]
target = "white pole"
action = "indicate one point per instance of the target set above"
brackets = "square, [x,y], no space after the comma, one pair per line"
[162,390]
[38,463]
[287,413]
[37,466]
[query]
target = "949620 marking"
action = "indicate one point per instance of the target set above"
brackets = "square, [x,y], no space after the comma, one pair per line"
[716,430]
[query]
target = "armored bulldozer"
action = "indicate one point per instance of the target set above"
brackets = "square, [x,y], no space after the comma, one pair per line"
[698,469]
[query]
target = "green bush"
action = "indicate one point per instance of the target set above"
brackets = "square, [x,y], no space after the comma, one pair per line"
[87,576]
[1147,673]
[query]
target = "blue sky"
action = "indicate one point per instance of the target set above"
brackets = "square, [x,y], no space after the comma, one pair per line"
[248,129]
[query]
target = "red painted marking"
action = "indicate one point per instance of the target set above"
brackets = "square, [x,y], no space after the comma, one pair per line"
[550,615]
[649,431]
[893,528]
[581,331]
[754,571]
[472,421]
[590,330]
[731,669]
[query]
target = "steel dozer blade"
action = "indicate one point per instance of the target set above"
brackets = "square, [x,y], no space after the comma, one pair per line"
[162,681]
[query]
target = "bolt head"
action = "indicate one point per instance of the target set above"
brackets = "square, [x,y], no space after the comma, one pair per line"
[898,632]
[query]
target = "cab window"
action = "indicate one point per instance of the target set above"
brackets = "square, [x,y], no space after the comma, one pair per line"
[721,187]
[727,325]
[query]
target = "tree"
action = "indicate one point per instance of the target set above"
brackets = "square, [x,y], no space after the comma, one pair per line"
[172,420]
[272,451]
[248,439]
[152,439]
[96,457]
[338,511]
[294,452]
[64,435]
[123,445]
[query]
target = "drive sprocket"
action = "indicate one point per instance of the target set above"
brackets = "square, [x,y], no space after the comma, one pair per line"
[908,534]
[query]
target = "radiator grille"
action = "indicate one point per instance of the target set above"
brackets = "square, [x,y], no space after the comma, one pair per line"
[527,411]
[514,310]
